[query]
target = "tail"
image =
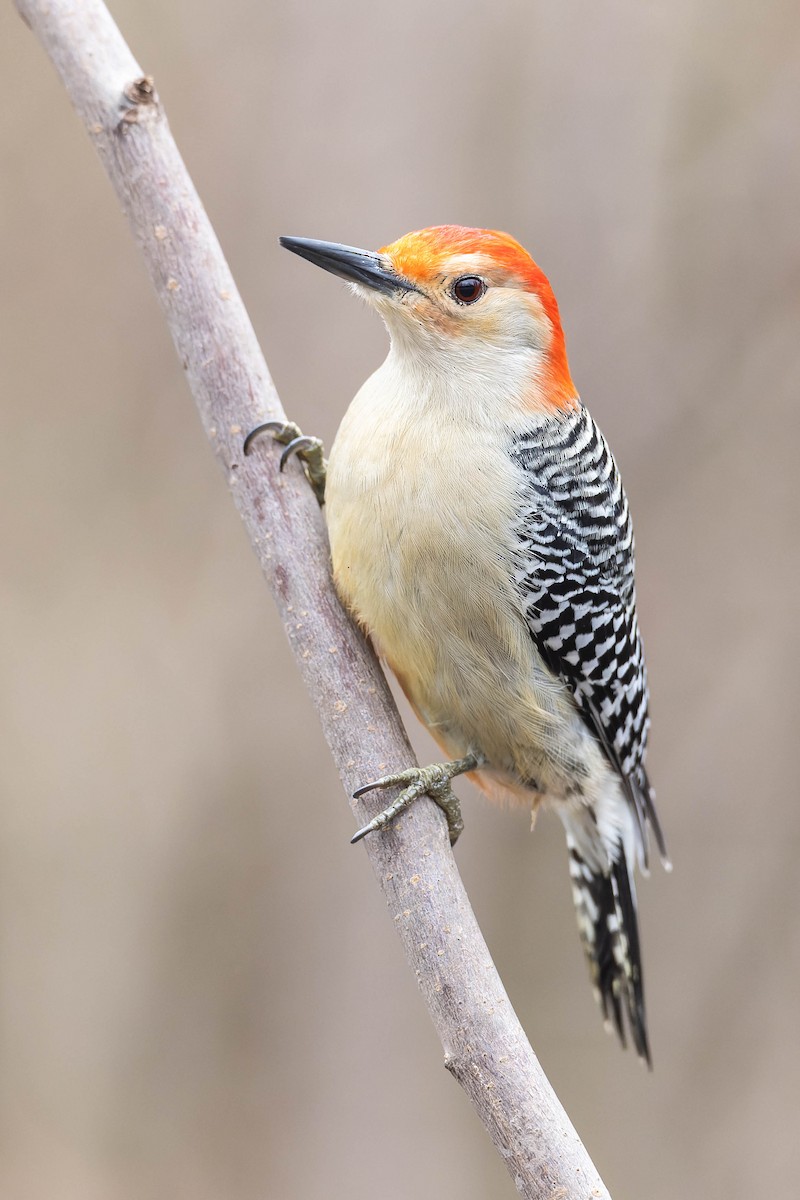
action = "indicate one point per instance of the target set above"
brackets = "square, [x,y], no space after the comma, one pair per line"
[605,903]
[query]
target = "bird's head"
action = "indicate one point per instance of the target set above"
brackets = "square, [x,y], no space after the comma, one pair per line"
[465,300]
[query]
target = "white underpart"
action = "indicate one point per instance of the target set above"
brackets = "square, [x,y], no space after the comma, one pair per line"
[421,500]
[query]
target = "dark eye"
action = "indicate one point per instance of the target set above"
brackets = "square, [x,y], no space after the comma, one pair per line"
[468,289]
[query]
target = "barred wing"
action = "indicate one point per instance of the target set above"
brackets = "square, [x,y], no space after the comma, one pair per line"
[575,574]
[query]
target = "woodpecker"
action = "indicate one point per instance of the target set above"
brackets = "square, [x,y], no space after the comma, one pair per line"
[481,536]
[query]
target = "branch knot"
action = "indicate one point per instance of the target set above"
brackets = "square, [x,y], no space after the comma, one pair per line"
[142,97]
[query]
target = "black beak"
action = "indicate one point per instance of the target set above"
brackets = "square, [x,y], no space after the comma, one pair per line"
[357,266]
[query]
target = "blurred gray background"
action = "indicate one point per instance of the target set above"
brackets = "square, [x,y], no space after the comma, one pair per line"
[189,1006]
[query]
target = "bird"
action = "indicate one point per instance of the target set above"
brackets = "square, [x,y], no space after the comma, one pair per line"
[481,536]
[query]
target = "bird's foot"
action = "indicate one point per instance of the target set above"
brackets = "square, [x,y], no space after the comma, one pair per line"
[309,450]
[433,781]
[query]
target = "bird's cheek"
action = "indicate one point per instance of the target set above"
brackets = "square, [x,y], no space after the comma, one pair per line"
[432,317]
[534,325]
[444,323]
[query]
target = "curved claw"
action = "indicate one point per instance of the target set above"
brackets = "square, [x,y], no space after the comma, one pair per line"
[362,791]
[309,449]
[296,444]
[254,434]
[387,781]
[362,833]
[434,780]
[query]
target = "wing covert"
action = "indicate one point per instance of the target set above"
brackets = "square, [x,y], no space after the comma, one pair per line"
[575,575]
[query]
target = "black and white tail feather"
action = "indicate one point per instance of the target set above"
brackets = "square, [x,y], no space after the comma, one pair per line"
[605,904]
[576,580]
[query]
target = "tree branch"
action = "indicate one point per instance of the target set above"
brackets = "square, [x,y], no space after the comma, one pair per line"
[484,1044]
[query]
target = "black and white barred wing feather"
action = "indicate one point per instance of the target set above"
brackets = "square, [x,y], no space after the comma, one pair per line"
[575,573]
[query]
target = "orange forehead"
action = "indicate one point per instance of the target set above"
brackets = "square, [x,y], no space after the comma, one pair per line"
[419,255]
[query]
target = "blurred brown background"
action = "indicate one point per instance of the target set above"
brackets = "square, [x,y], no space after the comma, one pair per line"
[188,1007]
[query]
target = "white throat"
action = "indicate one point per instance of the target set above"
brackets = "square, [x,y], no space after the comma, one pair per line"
[466,377]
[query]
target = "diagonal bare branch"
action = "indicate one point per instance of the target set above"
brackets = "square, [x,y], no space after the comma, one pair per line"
[484,1045]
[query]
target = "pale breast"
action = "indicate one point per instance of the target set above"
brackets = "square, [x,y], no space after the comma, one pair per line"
[420,512]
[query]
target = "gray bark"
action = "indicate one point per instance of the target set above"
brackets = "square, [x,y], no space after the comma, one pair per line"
[484,1045]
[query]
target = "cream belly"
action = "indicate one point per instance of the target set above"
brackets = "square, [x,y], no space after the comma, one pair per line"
[420,506]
